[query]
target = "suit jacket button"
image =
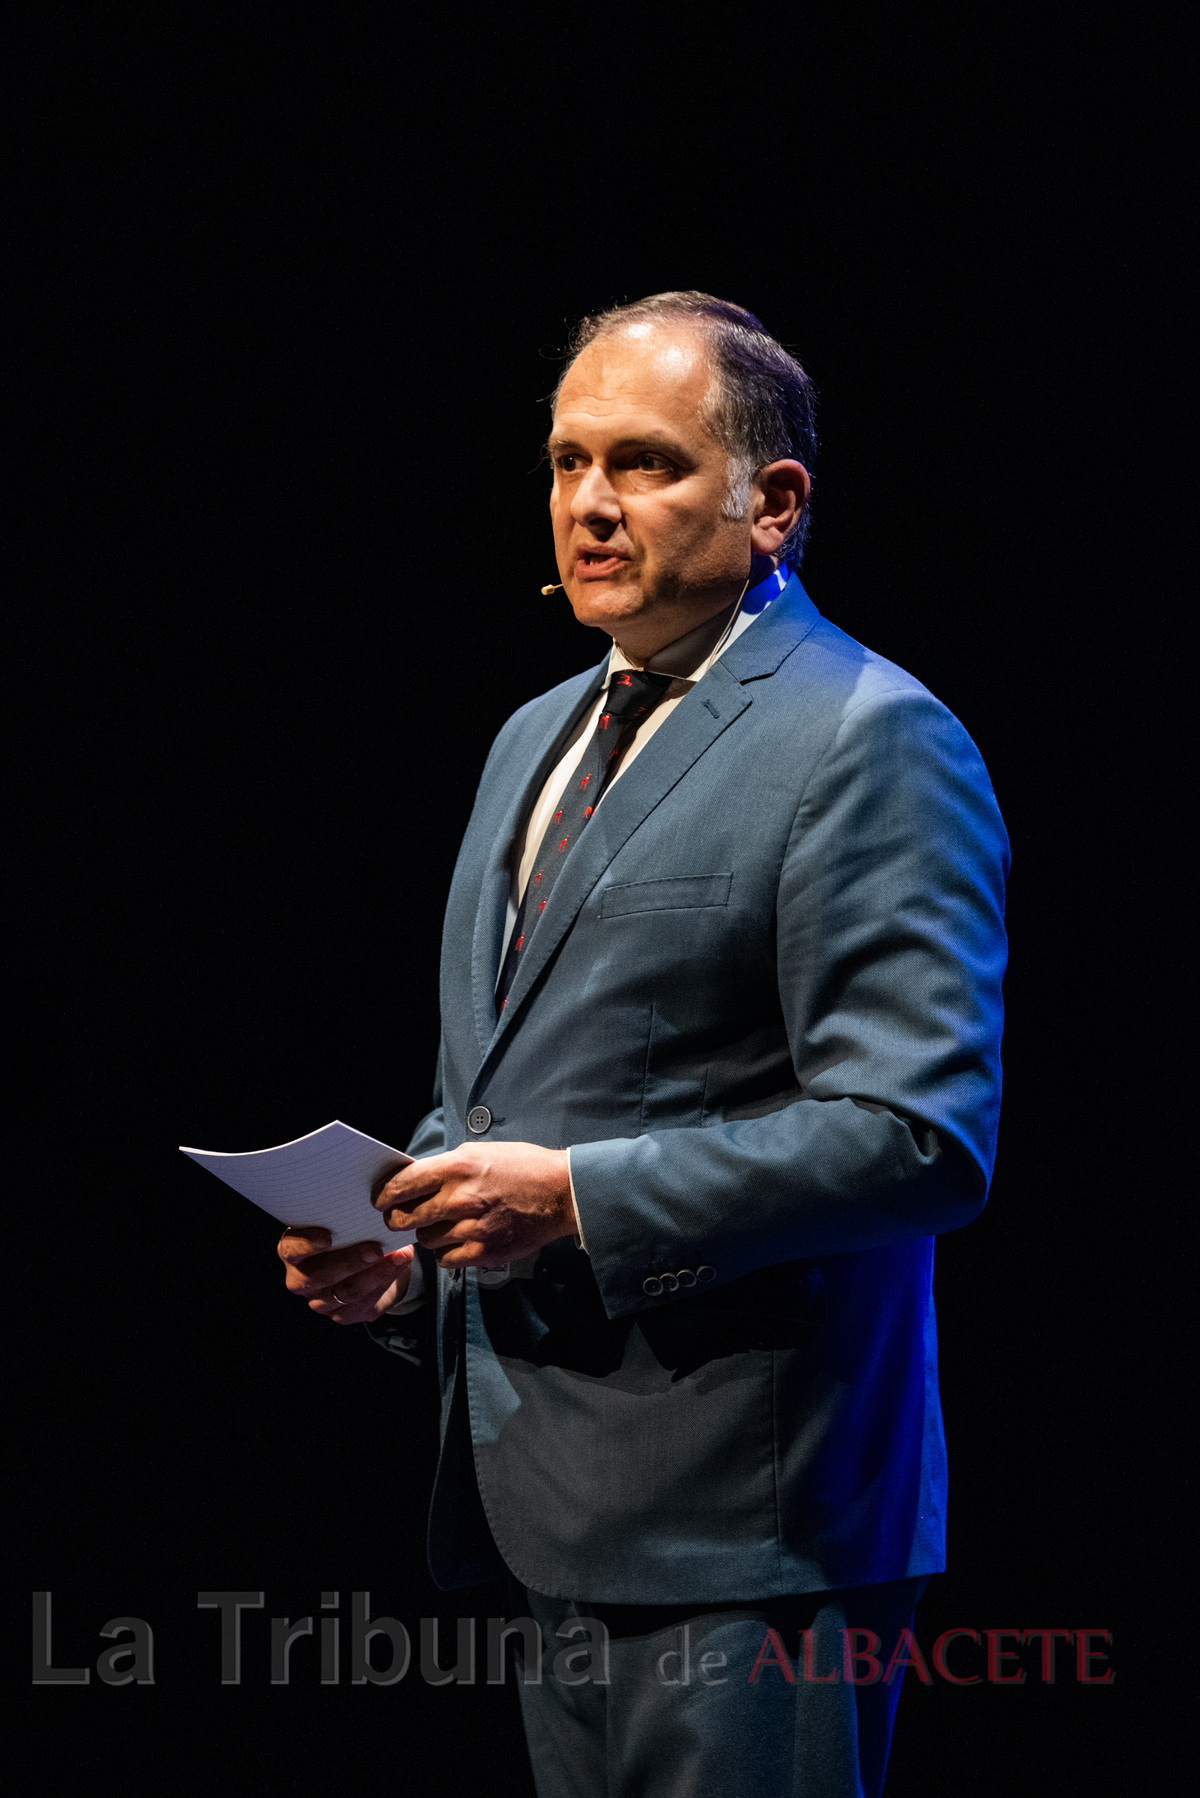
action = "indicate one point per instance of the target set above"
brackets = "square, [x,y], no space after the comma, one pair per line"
[478,1119]
[704,1274]
[670,1282]
[652,1287]
[686,1277]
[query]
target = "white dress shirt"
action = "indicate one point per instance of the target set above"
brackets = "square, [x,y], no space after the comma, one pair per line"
[687,660]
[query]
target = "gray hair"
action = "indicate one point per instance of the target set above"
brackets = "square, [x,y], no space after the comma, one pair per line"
[761,405]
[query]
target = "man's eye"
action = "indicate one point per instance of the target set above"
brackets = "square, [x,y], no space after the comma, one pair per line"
[566,463]
[650,463]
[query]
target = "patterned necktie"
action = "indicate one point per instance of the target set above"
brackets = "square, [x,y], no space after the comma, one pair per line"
[631,697]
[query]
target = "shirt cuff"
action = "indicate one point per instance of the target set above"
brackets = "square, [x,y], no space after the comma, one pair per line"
[414,1293]
[579,1242]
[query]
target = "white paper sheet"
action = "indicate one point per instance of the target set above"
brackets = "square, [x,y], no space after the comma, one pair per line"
[323,1178]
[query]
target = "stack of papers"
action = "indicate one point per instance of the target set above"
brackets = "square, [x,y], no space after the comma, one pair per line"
[322,1178]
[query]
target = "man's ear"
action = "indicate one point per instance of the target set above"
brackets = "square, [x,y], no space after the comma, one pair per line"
[779,493]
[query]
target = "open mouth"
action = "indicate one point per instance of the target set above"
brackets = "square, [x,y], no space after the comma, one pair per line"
[592,564]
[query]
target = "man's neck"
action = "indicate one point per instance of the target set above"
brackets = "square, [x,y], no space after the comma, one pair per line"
[688,651]
[690,654]
[641,649]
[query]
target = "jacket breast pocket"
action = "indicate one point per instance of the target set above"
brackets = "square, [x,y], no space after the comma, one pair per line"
[686,893]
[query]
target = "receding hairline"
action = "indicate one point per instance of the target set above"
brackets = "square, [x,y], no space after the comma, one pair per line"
[674,326]
[641,329]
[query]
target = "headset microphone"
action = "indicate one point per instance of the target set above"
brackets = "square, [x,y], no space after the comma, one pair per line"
[547,591]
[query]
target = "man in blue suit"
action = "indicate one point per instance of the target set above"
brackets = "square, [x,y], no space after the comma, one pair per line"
[720,1055]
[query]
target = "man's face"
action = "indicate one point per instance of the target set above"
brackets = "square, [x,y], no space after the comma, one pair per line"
[639,485]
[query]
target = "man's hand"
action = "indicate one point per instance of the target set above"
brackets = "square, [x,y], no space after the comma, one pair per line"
[352,1285]
[483,1204]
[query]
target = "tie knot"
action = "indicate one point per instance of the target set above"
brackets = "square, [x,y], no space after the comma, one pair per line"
[633,691]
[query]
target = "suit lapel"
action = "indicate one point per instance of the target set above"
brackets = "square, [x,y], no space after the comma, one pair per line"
[674,749]
[761,650]
[538,754]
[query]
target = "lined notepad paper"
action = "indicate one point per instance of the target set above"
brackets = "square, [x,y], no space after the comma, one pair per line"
[323,1178]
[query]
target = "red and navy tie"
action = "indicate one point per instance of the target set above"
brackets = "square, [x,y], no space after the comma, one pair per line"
[632,695]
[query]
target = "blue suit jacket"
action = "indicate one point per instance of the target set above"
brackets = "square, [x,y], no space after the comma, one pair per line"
[763,1009]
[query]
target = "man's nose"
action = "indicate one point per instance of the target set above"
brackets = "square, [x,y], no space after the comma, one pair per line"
[594,502]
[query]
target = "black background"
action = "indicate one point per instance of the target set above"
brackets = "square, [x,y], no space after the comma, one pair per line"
[299,286]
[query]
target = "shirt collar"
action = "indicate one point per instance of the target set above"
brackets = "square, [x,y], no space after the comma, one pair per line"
[692,655]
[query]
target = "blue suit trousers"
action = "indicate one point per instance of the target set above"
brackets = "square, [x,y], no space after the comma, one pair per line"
[696,1701]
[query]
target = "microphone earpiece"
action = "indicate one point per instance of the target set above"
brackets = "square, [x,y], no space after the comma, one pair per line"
[547,591]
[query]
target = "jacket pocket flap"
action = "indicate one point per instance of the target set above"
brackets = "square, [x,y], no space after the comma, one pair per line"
[683,894]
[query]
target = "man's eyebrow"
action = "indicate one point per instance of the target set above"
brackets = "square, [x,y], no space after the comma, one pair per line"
[645,440]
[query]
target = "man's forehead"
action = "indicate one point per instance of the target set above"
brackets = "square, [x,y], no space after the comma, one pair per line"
[641,371]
